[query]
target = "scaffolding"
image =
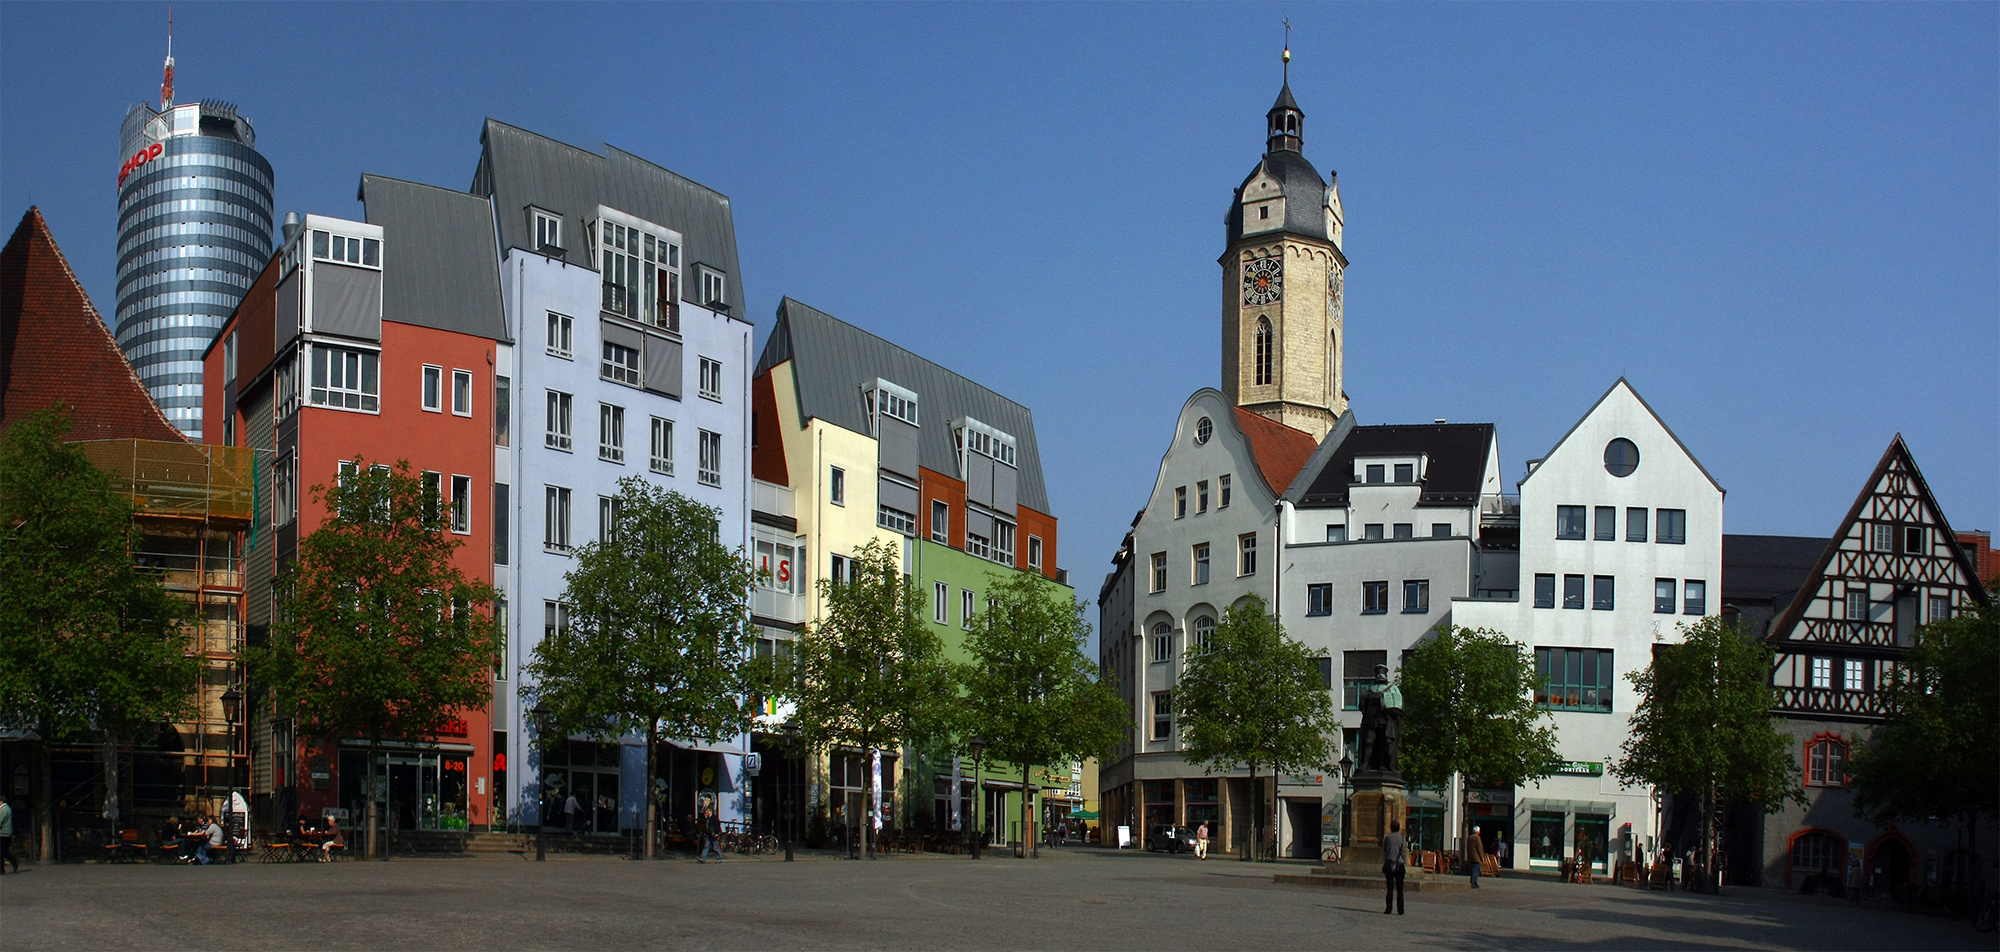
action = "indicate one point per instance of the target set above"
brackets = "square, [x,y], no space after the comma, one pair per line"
[212,484]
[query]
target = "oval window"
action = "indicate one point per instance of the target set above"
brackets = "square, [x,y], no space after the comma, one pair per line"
[1203,429]
[1621,457]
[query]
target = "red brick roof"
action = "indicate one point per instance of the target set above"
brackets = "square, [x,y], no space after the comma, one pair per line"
[1281,451]
[54,347]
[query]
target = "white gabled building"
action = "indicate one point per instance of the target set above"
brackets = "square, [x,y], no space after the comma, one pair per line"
[1621,542]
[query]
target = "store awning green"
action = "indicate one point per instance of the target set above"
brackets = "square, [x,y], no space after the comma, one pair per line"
[1084,815]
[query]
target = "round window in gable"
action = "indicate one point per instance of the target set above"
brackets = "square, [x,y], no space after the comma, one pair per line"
[1621,457]
[1203,429]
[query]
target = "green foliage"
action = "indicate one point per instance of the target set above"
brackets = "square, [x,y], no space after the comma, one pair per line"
[1938,752]
[379,633]
[1255,698]
[1704,721]
[88,641]
[1469,707]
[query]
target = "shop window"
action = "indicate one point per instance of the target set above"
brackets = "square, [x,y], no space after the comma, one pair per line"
[1545,838]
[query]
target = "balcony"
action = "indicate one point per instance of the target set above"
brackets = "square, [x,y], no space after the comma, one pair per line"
[772,499]
[1496,509]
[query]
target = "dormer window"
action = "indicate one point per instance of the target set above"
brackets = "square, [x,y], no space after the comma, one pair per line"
[347,249]
[714,289]
[889,400]
[548,231]
[640,263]
[971,436]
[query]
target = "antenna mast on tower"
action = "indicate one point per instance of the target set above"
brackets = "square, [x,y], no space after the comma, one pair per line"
[167,82]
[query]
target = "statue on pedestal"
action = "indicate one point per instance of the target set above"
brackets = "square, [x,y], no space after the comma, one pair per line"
[1381,726]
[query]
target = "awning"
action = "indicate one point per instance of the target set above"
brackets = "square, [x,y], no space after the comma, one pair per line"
[718,747]
[1596,807]
[1084,815]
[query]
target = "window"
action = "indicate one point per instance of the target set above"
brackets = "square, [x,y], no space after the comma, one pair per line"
[1336,533]
[1201,496]
[1545,591]
[501,512]
[1374,598]
[1857,603]
[1572,591]
[620,364]
[433,388]
[940,521]
[1264,346]
[1222,492]
[461,392]
[1569,522]
[1635,524]
[1672,527]
[1163,641]
[1621,457]
[1818,852]
[503,410]
[714,290]
[836,486]
[1204,634]
[940,602]
[965,606]
[433,494]
[548,231]
[1826,765]
[610,433]
[709,458]
[1372,532]
[1377,473]
[349,250]
[1940,608]
[1405,530]
[838,573]
[345,379]
[1665,595]
[500,639]
[1696,597]
[1603,593]
[555,619]
[1319,598]
[662,456]
[1003,543]
[1577,679]
[1821,673]
[1885,538]
[609,510]
[1159,572]
[555,519]
[1035,552]
[1416,596]
[1440,530]
[1357,676]
[711,379]
[461,505]
[229,358]
[1163,715]
[1913,540]
[562,328]
[1607,523]
[556,437]
[1850,674]
[1406,472]
[1246,554]
[1201,564]
[284,489]
[895,520]
[1180,502]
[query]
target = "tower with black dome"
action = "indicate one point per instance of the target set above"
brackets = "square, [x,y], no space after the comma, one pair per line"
[1281,283]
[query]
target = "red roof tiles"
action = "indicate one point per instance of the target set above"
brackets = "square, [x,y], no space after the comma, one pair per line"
[1281,451]
[54,347]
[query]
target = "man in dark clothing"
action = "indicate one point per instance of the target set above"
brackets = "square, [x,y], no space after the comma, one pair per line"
[711,837]
[1395,860]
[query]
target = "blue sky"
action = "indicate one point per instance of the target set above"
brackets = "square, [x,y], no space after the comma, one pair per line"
[1780,221]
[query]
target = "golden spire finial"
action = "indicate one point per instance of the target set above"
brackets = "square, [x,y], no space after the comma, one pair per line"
[1288,51]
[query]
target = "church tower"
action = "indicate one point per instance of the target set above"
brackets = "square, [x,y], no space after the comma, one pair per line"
[1281,283]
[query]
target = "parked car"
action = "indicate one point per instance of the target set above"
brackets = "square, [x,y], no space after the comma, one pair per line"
[1171,839]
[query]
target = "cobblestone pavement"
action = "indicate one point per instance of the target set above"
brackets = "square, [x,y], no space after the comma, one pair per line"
[1069,899]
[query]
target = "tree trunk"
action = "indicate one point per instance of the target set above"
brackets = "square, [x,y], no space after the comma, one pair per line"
[867,818]
[1256,802]
[45,798]
[374,843]
[1708,881]
[652,795]
[1027,835]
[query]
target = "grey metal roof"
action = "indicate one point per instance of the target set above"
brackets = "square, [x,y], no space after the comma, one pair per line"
[1305,195]
[1760,568]
[832,360]
[518,168]
[1458,453]
[439,269]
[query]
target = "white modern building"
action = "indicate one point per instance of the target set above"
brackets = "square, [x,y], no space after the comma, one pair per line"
[1620,544]
[621,288]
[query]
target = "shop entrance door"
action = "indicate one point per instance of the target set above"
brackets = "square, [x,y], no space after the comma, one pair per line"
[403,792]
[1302,823]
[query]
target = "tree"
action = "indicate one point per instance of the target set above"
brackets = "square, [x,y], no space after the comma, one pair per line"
[379,634]
[1704,726]
[89,642]
[869,671]
[1469,709]
[659,634]
[1030,691]
[1255,697]
[1937,753]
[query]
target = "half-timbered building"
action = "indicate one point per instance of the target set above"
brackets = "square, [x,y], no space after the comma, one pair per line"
[1893,566]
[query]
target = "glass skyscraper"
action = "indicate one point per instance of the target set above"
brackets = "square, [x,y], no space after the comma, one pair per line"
[194,230]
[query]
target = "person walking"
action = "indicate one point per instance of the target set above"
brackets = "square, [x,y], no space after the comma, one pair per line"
[1395,862]
[711,836]
[1201,841]
[1475,856]
[7,836]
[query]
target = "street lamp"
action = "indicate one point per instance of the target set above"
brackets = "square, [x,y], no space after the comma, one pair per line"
[979,796]
[541,716]
[232,708]
[791,734]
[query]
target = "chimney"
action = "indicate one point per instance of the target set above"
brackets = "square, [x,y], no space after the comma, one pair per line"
[291,226]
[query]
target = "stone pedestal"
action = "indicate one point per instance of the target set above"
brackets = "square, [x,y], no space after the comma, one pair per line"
[1377,799]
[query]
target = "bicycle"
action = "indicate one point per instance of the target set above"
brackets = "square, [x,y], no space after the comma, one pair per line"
[1986,916]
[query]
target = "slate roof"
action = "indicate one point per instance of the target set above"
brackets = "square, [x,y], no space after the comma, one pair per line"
[440,270]
[518,168]
[832,360]
[54,346]
[1458,453]
[1305,196]
[1762,568]
[1281,451]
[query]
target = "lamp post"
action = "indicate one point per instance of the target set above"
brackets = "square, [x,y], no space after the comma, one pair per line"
[541,716]
[232,709]
[979,796]
[791,734]
[1346,790]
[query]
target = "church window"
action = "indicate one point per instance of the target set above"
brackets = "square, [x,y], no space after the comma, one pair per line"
[1263,211]
[1263,351]
[1826,761]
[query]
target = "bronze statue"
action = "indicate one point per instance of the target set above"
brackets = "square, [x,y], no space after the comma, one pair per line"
[1381,725]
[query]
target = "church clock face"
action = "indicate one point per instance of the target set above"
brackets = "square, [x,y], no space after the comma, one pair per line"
[1263,281]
